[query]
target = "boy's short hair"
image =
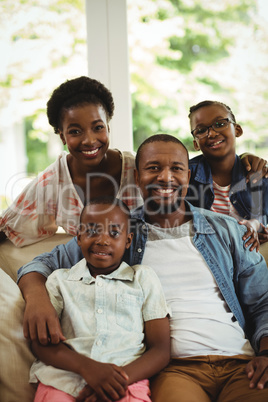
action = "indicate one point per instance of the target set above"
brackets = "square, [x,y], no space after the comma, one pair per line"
[210,103]
[107,200]
[158,138]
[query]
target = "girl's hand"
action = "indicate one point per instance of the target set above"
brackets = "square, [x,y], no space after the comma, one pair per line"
[251,237]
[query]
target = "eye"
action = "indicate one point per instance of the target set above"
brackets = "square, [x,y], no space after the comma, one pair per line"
[99,127]
[220,123]
[74,132]
[152,168]
[91,232]
[114,233]
[177,168]
[201,130]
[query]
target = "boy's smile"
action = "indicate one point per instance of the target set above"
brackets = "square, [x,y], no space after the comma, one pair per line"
[103,237]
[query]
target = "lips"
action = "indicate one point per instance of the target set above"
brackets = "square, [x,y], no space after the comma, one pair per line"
[215,144]
[163,191]
[90,153]
[100,253]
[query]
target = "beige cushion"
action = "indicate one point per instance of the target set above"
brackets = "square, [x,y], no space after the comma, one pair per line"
[12,258]
[15,355]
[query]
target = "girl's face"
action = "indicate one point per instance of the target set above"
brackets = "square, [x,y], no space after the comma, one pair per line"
[85,131]
[216,144]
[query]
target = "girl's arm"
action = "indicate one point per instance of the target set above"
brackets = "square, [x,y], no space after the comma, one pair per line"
[157,355]
[105,379]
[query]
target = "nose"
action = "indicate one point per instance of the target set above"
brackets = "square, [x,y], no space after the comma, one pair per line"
[212,132]
[89,138]
[103,239]
[165,175]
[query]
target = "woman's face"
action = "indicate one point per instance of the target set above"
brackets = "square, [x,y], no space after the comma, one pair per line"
[85,131]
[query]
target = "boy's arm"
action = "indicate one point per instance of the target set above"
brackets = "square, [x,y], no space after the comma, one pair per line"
[157,354]
[105,379]
[40,319]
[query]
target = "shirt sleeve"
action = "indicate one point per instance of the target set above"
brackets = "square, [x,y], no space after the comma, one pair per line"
[62,256]
[154,306]
[32,216]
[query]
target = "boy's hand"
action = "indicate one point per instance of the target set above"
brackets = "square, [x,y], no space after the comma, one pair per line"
[108,381]
[257,167]
[251,237]
[40,322]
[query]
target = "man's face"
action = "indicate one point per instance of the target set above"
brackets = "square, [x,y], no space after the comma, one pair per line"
[163,176]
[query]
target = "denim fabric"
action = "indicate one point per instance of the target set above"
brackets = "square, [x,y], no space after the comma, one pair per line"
[242,276]
[250,200]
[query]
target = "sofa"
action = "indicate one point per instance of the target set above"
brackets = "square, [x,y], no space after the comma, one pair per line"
[15,355]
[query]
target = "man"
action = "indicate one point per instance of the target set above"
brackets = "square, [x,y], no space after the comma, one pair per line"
[216,288]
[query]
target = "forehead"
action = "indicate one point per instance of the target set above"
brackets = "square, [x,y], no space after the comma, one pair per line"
[104,214]
[85,110]
[161,151]
[208,113]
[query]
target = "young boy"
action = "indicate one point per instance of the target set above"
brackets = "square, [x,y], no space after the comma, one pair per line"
[218,178]
[113,316]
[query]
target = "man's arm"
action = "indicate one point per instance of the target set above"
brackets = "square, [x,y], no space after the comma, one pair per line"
[257,167]
[40,319]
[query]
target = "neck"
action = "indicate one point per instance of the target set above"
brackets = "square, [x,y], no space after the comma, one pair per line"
[173,219]
[221,170]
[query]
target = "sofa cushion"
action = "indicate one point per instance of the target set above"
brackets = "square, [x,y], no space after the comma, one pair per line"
[15,355]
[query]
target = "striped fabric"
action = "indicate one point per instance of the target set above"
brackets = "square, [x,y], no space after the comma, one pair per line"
[222,203]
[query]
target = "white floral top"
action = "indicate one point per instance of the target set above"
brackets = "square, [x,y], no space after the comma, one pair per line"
[51,201]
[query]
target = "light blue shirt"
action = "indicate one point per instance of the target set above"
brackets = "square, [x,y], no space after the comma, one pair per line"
[102,318]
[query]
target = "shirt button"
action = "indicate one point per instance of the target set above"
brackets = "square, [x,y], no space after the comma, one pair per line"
[99,311]
[139,250]
[99,284]
[234,202]
[99,343]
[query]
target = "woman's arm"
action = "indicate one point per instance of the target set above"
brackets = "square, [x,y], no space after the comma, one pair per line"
[157,355]
[105,379]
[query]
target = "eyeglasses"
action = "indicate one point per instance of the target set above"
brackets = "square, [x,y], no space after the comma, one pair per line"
[218,126]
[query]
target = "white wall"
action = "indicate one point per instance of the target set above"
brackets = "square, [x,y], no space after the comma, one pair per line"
[108,62]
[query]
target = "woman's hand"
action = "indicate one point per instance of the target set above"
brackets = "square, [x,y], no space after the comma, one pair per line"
[263,235]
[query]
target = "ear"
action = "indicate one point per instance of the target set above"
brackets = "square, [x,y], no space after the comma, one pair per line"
[79,238]
[196,145]
[238,130]
[62,138]
[129,240]
[108,128]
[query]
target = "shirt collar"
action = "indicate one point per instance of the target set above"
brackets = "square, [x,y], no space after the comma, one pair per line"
[80,272]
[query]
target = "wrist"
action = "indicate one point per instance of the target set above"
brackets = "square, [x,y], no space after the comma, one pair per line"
[263,352]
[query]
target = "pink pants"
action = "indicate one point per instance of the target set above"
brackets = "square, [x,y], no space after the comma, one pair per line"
[139,391]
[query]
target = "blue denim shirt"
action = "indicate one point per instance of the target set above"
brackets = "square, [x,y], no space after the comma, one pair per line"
[250,200]
[242,276]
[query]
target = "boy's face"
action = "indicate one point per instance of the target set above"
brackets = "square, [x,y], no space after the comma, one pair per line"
[103,237]
[216,144]
[163,176]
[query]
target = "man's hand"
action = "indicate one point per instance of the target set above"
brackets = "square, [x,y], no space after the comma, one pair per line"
[257,372]
[257,167]
[251,237]
[40,322]
[108,381]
